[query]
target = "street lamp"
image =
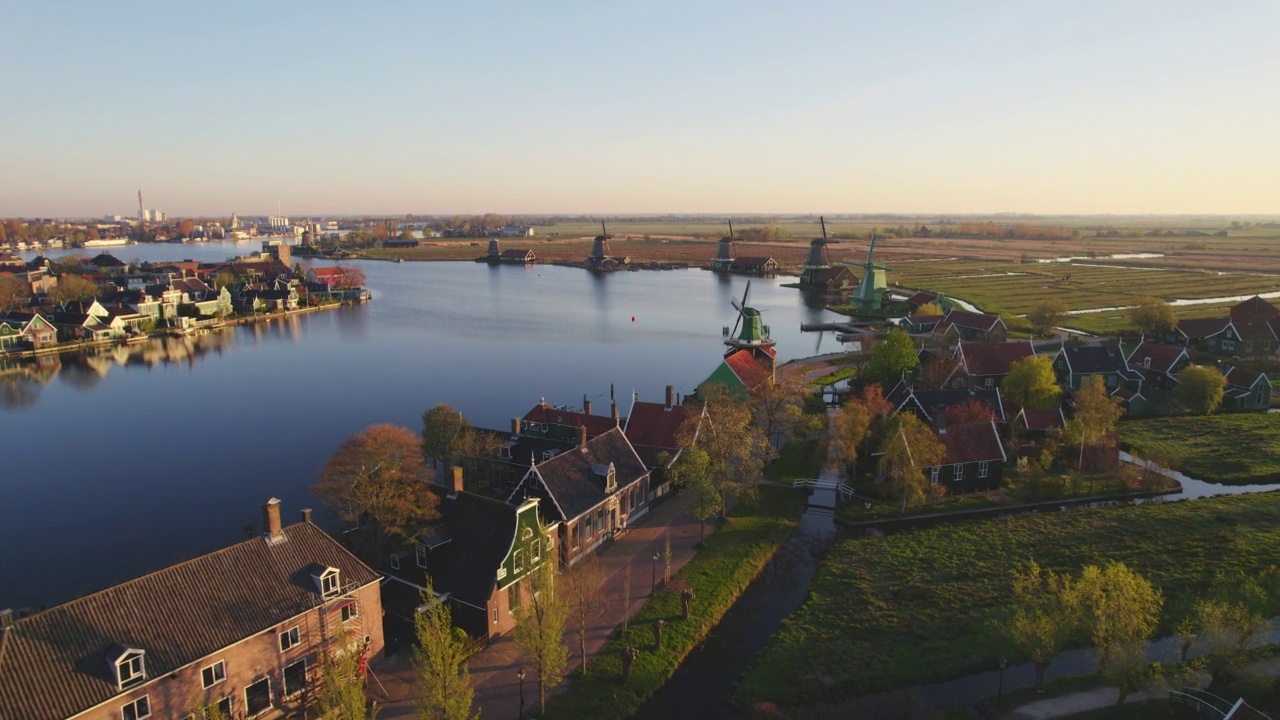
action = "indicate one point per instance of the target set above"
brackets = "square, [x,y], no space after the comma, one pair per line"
[520,674]
[654,587]
[1003,663]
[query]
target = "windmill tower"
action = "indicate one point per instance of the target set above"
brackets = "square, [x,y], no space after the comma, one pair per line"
[870,295]
[600,259]
[723,261]
[495,252]
[819,259]
[749,331]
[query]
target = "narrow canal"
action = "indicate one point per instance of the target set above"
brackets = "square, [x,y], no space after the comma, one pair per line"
[702,684]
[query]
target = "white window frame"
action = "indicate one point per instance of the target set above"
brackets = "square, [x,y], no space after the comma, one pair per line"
[218,673]
[535,552]
[285,674]
[988,382]
[127,662]
[933,475]
[293,636]
[230,705]
[330,583]
[957,472]
[349,612]
[1112,381]
[517,560]
[270,706]
[133,704]
[984,468]
[420,555]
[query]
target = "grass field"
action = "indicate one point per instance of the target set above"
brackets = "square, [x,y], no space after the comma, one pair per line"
[893,611]
[1236,449]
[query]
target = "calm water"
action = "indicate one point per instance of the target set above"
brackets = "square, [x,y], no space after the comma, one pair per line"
[121,464]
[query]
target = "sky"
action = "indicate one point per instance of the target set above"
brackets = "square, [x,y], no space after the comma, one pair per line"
[561,106]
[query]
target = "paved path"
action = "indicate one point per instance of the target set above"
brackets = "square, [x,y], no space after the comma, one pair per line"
[1078,702]
[493,670]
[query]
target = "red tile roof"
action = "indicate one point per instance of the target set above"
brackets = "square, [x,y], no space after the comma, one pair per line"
[971,443]
[1196,328]
[1255,308]
[1254,330]
[965,319]
[1242,378]
[752,370]
[1042,419]
[656,425]
[922,298]
[328,271]
[1163,357]
[993,358]
[596,424]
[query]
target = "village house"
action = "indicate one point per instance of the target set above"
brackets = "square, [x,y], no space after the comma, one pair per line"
[1074,363]
[34,331]
[920,324]
[1252,329]
[477,555]
[518,257]
[1031,423]
[974,459]
[920,299]
[558,422]
[594,490]
[931,404]
[653,428]
[754,265]
[986,364]
[835,279]
[1246,390]
[242,629]
[960,325]
[1159,365]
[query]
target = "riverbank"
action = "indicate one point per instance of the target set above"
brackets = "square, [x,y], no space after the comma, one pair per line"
[1194,445]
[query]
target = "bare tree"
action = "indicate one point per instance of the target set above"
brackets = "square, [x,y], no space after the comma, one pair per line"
[585,579]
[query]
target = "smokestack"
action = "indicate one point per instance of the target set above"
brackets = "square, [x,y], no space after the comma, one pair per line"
[271,520]
[671,396]
[515,426]
[582,436]
[586,405]
[306,514]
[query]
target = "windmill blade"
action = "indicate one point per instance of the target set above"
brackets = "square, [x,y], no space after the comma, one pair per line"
[745,293]
[736,324]
[736,305]
[819,343]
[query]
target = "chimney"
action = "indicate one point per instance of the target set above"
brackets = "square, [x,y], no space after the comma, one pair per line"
[940,420]
[457,480]
[582,436]
[613,411]
[306,514]
[6,618]
[515,426]
[586,405]
[671,396]
[271,520]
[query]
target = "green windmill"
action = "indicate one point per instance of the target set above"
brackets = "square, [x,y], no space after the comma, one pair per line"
[870,294]
[754,333]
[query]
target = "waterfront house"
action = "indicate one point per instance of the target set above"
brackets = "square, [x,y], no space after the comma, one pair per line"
[517,257]
[34,331]
[1159,365]
[477,554]
[742,371]
[974,459]
[10,336]
[1246,390]
[960,325]
[242,628]
[593,491]
[754,265]
[986,364]
[835,279]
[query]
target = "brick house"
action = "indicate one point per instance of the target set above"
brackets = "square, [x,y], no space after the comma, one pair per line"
[652,429]
[241,628]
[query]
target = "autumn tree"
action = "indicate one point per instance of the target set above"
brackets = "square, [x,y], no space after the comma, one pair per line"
[970,411]
[736,448]
[1046,314]
[585,578]
[1031,383]
[910,448]
[1153,316]
[71,288]
[691,472]
[377,479]
[443,682]
[778,404]
[1200,387]
[540,625]
[849,429]
[350,277]
[894,355]
[1044,616]
[1095,415]
[14,293]
[1120,610]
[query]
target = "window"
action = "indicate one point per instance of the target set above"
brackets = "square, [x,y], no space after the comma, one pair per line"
[295,678]
[517,558]
[495,615]
[957,471]
[137,710]
[131,668]
[213,674]
[257,698]
[586,530]
[349,611]
[329,583]
[933,475]
[984,468]
[1111,381]
[288,639]
[988,382]
[600,520]
[575,534]
[224,706]
[535,552]
[526,533]
[395,561]
[420,555]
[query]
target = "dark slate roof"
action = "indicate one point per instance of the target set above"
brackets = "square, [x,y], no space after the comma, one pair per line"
[965,319]
[754,261]
[516,254]
[573,483]
[1254,330]
[994,358]
[1242,378]
[596,424]
[921,298]
[482,530]
[1255,308]
[833,274]
[54,664]
[930,402]
[103,260]
[1196,328]
[1092,359]
[1163,357]
[974,442]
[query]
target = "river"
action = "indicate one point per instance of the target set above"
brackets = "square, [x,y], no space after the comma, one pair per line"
[124,463]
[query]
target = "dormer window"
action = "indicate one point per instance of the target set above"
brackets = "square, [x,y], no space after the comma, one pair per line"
[611,479]
[327,581]
[131,668]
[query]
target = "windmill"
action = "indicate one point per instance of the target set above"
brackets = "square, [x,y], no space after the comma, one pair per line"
[870,294]
[819,258]
[600,259]
[723,261]
[754,333]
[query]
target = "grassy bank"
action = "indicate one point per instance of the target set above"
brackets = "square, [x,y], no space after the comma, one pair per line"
[892,611]
[730,560]
[1236,449]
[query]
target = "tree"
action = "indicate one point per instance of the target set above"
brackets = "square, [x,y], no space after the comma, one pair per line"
[1046,314]
[909,449]
[1044,616]
[778,404]
[1226,624]
[735,447]
[540,629]
[849,429]
[350,277]
[71,288]
[14,293]
[442,432]
[1095,416]
[342,692]
[1120,610]
[1201,387]
[894,355]
[691,472]
[972,410]
[1153,316]
[585,578]
[1031,383]
[376,478]
[443,682]
[186,227]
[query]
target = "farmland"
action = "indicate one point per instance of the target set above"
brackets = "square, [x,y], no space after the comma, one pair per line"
[1194,446]
[915,607]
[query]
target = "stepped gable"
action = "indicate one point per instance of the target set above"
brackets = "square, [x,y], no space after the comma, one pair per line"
[54,664]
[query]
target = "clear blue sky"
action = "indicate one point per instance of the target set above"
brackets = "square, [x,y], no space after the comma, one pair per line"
[562,106]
